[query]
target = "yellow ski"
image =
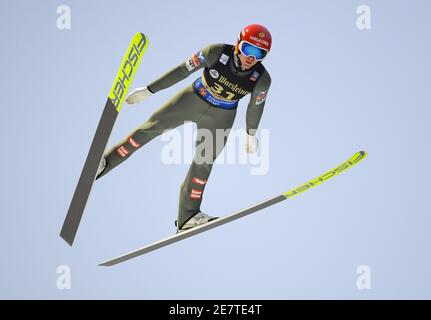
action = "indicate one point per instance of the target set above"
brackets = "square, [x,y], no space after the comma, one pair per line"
[356,158]
[119,89]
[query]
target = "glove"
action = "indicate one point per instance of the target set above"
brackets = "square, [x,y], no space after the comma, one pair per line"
[138,95]
[251,143]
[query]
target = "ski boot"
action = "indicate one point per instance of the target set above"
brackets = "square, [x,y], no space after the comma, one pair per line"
[198,219]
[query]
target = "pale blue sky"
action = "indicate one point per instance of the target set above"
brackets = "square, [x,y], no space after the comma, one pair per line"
[335,90]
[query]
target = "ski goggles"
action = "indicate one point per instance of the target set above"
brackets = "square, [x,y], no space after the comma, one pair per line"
[250,50]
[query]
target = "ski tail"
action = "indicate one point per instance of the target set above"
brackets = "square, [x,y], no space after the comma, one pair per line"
[120,87]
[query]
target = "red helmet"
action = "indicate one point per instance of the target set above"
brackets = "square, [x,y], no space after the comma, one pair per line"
[257,35]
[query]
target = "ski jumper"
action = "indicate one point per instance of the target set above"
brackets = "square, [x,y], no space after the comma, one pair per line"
[210,102]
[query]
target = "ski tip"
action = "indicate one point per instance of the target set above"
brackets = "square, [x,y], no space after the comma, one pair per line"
[359,156]
[139,35]
[363,152]
[142,35]
[352,161]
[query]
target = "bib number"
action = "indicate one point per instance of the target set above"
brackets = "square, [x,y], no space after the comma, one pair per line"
[220,90]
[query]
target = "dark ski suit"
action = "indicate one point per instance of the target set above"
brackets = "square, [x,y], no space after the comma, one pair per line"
[211,103]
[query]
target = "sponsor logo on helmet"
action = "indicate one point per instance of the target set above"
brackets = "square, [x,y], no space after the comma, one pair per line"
[201,182]
[122,151]
[260,41]
[224,58]
[214,73]
[262,35]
